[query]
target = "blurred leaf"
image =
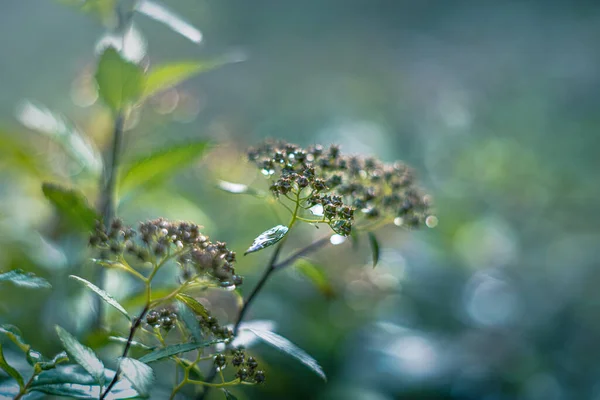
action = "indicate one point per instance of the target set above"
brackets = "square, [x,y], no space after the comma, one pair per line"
[160,13]
[316,275]
[105,296]
[9,389]
[175,349]
[139,299]
[14,334]
[74,381]
[228,395]
[268,238]
[189,319]
[165,76]
[104,10]
[245,337]
[160,165]
[63,132]
[290,348]
[355,239]
[374,248]
[82,355]
[120,82]
[72,205]
[194,305]
[24,279]
[238,188]
[133,343]
[139,374]
[10,370]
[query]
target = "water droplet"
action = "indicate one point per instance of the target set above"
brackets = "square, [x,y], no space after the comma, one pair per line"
[398,221]
[431,221]
[267,172]
[337,239]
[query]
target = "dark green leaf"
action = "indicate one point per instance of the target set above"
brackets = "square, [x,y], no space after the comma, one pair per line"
[10,370]
[290,348]
[194,304]
[24,279]
[120,82]
[374,248]
[71,205]
[174,350]
[105,296]
[160,13]
[163,77]
[228,395]
[133,343]
[139,374]
[82,355]
[161,165]
[316,275]
[189,319]
[268,238]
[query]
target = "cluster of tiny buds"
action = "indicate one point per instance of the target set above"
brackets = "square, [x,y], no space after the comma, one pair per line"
[247,367]
[342,184]
[165,319]
[211,325]
[159,238]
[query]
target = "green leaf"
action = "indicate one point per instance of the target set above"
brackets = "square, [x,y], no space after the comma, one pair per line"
[133,343]
[59,358]
[160,13]
[104,10]
[105,296]
[268,238]
[14,334]
[24,279]
[82,355]
[194,304]
[238,188]
[74,381]
[228,395]
[189,319]
[9,389]
[120,82]
[355,239]
[160,165]
[165,76]
[71,205]
[290,348]
[374,248]
[10,370]
[316,275]
[139,374]
[175,349]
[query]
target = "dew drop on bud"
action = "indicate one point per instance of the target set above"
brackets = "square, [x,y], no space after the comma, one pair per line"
[267,171]
[431,221]
[398,221]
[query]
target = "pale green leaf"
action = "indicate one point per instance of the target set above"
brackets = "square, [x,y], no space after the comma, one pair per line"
[191,322]
[161,13]
[14,334]
[193,304]
[120,82]
[268,238]
[10,370]
[24,279]
[316,275]
[139,374]
[175,349]
[105,296]
[71,205]
[82,355]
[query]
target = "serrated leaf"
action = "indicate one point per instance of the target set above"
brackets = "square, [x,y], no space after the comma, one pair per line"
[238,188]
[74,381]
[228,395]
[165,76]
[120,82]
[268,238]
[175,349]
[82,355]
[189,319]
[160,13]
[24,279]
[105,296]
[160,165]
[139,374]
[283,344]
[133,343]
[71,205]
[10,370]
[374,248]
[194,305]
[316,275]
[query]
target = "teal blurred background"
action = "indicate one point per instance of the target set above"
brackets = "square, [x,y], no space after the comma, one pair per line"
[495,104]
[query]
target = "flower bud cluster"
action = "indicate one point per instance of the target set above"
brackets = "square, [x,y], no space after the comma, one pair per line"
[210,325]
[347,188]
[164,318]
[247,367]
[159,239]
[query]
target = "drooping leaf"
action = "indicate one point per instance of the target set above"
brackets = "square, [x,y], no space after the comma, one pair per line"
[63,132]
[15,336]
[133,343]
[10,370]
[24,279]
[120,82]
[189,319]
[139,374]
[105,296]
[71,205]
[73,381]
[228,395]
[82,355]
[290,348]
[165,76]
[374,248]
[160,165]
[316,275]
[160,13]
[175,349]
[245,337]
[238,188]
[194,305]
[268,238]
